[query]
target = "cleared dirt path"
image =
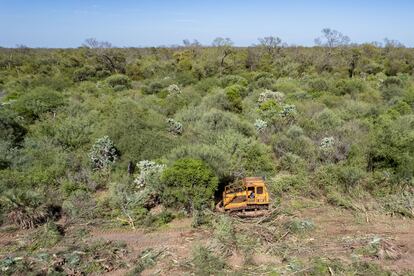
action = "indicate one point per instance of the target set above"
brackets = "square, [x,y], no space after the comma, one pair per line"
[340,233]
[178,234]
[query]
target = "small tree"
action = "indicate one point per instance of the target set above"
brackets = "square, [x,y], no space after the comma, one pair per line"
[289,112]
[332,38]
[189,183]
[119,82]
[225,47]
[174,127]
[173,90]
[271,45]
[149,172]
[279,97]
[103,154]
[260,125]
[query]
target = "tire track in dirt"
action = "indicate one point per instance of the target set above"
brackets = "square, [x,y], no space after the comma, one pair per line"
[178,235]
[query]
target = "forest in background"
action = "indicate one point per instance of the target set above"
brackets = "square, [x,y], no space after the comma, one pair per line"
[106,133]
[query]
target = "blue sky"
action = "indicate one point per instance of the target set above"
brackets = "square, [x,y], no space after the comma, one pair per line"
[64,23]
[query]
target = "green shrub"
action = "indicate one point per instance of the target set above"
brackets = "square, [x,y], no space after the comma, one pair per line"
[234,94]
[318,85]
[11,130]
[218,121]
[88,87]
[34,103]
[391,92]
[27,208]
[207,84]
[287,85]
[231,80]
[156,86]
[185,78]
[80,205]
[286,183]
[351,87]
[392,147]
[138,133]
[293,163]
[212,155]
[103,154]
[338,199]
[188,183]
[349,176]
[165,217]
[119,82]
[399,204]
[84,73]
[328,120]
[298,226]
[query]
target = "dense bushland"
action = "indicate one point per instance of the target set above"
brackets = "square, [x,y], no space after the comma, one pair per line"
[110,133]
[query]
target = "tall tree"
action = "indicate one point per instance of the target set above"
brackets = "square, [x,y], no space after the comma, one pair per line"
[225,47]
[332,38]
[271,45]
[108,56]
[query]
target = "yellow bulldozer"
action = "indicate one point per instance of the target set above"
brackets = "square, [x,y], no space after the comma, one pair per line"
[246,199]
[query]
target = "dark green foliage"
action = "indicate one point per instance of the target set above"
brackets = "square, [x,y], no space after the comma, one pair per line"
[10,129]
[393,147]
[156,86]
[189,183]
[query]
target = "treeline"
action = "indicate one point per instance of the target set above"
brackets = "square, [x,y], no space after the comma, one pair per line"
[110,132]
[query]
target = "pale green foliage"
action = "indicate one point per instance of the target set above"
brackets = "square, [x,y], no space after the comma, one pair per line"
[173,90]
[270,95]
[103,154]
[149,173]
[174,127]
[288,111]
[327,143]
[260,125]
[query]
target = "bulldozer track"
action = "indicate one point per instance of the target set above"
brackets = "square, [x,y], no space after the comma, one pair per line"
[249,208]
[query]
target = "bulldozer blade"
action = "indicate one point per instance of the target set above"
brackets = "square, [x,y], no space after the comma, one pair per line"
[219,207]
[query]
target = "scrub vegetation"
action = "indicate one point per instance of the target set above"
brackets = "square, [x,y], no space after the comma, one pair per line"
[137,137]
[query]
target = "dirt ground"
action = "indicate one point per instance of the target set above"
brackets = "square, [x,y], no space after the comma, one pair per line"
[337,234]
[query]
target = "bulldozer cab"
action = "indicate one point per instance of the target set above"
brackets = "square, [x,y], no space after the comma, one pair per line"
[256,190]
